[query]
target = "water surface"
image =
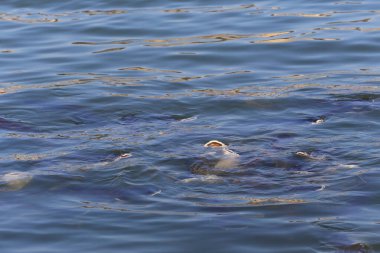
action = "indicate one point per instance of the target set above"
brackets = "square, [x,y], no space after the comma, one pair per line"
[106,106]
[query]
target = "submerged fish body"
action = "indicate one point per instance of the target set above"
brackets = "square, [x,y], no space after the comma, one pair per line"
[350,105]
[354,248]
[14,181]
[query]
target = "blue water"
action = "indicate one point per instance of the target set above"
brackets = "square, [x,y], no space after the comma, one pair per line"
[105,108]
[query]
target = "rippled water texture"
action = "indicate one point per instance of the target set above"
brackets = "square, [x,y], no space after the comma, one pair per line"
[106,107]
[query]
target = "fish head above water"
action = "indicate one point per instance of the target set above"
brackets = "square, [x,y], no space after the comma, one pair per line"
[217,160]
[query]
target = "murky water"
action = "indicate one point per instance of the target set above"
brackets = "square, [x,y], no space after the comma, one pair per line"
[106,107]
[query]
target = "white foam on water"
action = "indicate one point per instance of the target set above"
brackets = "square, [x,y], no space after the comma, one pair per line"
[212,179]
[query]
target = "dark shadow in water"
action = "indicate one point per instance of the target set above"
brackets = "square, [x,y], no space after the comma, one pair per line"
[15,126]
